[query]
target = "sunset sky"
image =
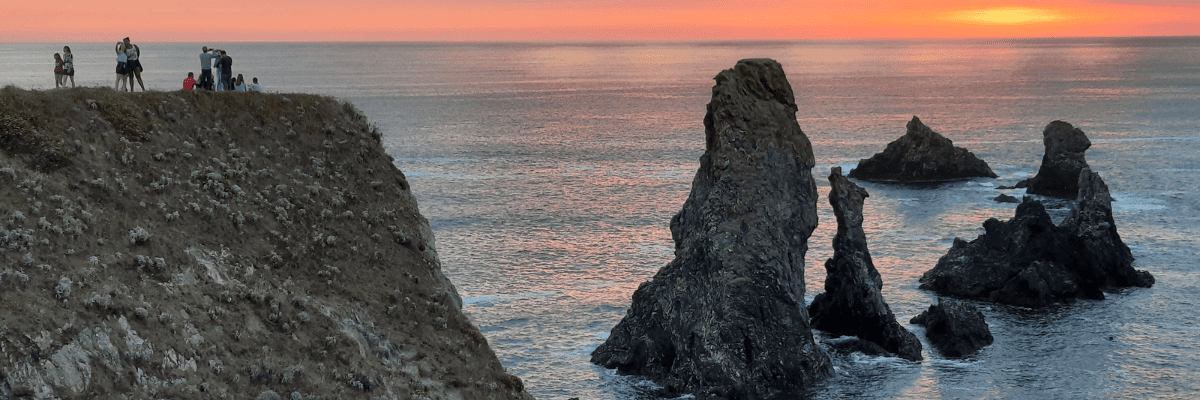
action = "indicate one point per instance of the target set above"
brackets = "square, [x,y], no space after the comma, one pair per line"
[573,20]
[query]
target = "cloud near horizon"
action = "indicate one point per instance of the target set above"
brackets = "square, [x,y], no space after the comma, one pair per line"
[550,20]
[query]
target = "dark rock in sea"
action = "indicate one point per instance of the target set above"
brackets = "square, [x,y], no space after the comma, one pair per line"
[955,328]
[1059,174]
[1028,261]
[1004,198]
[726,317]
[852,304]
[921,155]
[848,344]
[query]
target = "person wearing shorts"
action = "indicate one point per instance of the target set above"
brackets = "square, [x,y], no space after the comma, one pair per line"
[122,73]
[133,65]
[58,70]
[68,66]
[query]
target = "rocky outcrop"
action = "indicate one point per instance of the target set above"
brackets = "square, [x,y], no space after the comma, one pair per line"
[1059,174]
[1004,198]
[955,328]
[219,245]
[726,317]
[921,155]
[852,304]
[1028,261]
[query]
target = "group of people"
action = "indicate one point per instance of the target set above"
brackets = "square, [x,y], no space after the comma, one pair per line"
[64,67]
[129,68]
[219,60]
[129,65]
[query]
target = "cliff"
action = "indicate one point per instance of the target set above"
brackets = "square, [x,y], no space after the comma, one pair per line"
[726,318]
[219,245]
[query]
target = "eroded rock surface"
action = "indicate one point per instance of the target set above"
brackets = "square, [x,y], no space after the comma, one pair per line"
[955,328]
[1058,175]
[219,245]
[1028,261]
[852,304]
[726,317]
[921,155]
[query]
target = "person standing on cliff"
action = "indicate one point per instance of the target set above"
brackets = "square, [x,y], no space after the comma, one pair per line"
[206,62]
[122,71]
[68,66]
[58,71]
[226,65]
[133,64]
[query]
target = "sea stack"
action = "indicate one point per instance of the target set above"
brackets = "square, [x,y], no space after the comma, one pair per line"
[1028,261]
[1064,159]
[852,304]
[921,155]
[726,317]
[955,328]
[195,245]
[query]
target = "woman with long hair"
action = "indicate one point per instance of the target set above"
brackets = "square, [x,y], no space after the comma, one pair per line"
[239,84]
[122,72]
[68,66]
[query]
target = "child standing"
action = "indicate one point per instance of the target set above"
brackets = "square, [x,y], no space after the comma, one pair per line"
[58,71]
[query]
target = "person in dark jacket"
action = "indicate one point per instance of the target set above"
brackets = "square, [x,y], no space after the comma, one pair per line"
[226,66]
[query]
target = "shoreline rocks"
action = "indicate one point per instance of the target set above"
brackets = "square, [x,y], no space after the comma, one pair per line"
[1028,261]
[1062,162]
[726,317]
[955,328]
[921,155]
[852,304]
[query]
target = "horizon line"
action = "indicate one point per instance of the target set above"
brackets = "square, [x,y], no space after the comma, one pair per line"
[569,41]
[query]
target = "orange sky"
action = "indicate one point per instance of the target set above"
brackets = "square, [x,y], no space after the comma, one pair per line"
[561,20]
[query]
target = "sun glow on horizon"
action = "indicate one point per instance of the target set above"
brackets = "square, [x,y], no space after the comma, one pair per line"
[1007,16]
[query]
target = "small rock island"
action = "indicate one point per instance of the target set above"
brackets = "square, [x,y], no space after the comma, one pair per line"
[921,155]
[1058,176]
[1028,261]
[726,318]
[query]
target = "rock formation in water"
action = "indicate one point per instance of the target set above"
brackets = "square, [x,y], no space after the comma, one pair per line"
[921,155]
[1028,261]
[219,245]
[955,328]
[852,304]
[1064,159]
[1004,198]
[726,317]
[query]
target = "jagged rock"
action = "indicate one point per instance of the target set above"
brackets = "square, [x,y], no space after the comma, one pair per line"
[955,328]
[1004,198]
[852,304]
[921,155]
[726,317]
[1027,261]
[1059,174]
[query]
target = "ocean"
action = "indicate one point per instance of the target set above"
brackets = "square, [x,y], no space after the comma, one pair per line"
[550,171]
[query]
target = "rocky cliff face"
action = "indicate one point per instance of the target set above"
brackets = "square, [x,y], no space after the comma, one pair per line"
[921,155]
[852,304]
[1028,261]
[219,245]
[1064,159]
[726,318]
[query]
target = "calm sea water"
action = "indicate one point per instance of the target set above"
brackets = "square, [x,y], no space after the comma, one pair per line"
[550,173]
